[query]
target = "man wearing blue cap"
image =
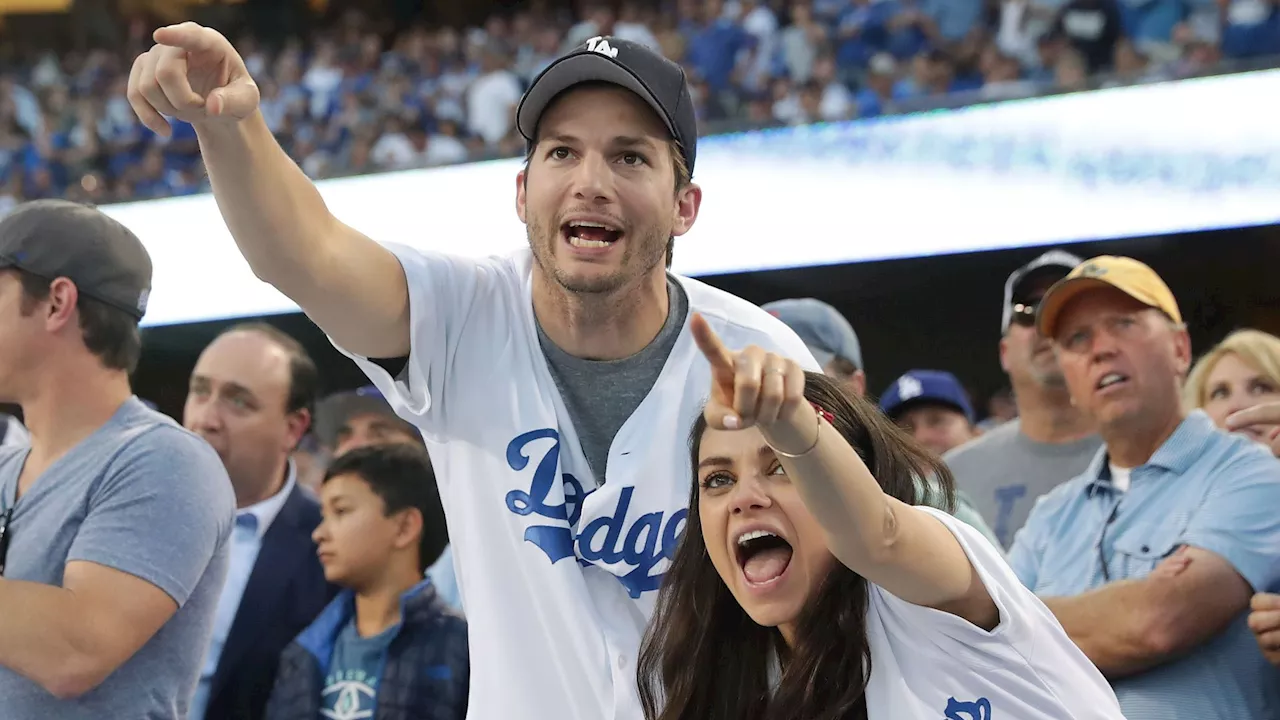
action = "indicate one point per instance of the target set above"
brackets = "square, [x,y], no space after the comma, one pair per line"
[935,409]
[933,406]
[353,419]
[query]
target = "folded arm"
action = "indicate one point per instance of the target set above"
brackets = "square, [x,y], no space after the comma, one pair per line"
[69,639]
[1264,621]
[1130,626]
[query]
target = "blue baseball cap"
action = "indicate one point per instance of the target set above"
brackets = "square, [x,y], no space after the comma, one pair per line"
[821,327]
[921,387]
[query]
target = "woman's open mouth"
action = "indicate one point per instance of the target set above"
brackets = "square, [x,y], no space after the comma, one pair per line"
[764,557]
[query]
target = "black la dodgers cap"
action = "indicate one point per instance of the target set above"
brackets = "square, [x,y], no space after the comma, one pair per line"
[59,238]
[661,83]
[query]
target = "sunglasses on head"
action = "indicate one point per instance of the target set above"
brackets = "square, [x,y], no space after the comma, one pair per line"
[1023,315]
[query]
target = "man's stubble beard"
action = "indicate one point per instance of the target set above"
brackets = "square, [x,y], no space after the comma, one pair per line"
[1045,373]
[650,251]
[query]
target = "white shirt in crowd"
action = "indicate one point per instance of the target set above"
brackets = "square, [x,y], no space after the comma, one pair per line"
[395,151]
[444,150]
[491,102]
[558,572]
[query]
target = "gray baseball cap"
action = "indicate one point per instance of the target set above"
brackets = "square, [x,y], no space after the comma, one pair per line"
[57,238]
[333,412]
[1051,266]
[822,328]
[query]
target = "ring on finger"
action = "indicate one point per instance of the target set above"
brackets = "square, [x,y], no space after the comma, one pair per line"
[775,371]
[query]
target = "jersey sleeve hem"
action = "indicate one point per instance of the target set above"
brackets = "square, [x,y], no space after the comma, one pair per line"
[408,392]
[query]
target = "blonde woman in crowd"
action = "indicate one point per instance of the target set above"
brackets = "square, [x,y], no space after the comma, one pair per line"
[1239,373]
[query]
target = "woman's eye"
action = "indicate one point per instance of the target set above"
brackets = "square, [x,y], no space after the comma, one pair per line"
[717,480]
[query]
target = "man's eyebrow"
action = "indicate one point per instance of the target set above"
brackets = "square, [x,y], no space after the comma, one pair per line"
[561,138]
[628,141]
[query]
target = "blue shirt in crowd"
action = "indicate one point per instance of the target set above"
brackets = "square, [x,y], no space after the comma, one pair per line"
[1203,488]
[251,527]
[351,685]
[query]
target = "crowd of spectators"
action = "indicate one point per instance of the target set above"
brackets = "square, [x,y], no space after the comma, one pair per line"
[357,97]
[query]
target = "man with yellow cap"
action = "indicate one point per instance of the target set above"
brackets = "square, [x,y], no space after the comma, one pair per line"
[1176,645]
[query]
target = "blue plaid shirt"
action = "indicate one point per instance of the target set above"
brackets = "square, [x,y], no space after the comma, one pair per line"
[425,675]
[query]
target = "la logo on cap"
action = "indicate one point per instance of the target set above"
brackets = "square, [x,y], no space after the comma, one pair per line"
[909,387]
[600,45]
[1093,270]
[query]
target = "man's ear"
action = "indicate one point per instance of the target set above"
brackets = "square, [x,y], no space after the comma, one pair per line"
[60,306]
[688,201]
[522,185]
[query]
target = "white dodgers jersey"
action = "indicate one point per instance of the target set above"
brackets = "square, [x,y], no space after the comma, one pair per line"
[930,665]
[558,572]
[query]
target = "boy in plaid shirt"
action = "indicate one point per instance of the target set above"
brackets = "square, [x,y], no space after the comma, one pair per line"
[387,646]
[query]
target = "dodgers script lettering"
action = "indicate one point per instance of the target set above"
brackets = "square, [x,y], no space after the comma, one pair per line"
[608,540]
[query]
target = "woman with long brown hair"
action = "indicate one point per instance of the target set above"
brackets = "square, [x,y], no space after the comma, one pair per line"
[808,586]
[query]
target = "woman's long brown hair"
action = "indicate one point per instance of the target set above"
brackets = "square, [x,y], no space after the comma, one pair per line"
[704,658]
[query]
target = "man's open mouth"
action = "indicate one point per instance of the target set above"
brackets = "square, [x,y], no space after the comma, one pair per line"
[590,234]
[1111,379]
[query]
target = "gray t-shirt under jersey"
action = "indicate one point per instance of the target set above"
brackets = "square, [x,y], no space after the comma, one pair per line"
[1003,472]
[143,496]
[601,394]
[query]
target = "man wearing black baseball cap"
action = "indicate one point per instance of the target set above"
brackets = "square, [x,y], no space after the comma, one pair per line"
[1006,469]
[555,387]
[113,519]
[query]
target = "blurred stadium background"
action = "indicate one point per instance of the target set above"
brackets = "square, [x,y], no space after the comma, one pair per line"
[896,158]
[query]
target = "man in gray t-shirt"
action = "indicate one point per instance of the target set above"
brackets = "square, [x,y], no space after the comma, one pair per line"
[114,521]
[1005,470]
[140,496]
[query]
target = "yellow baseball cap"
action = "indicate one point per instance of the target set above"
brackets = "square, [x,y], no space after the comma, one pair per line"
[1124,274]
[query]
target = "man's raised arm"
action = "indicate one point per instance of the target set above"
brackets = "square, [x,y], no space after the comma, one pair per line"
[353,288]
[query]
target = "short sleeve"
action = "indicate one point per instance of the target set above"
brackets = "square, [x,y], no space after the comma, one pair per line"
[163,509]
[1015,603]
[1240,520]
[443,290]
